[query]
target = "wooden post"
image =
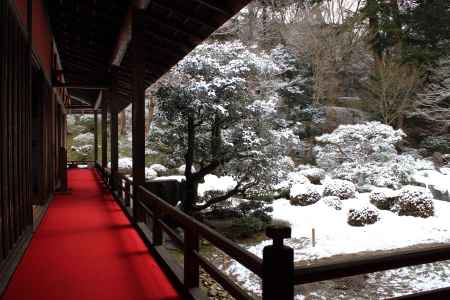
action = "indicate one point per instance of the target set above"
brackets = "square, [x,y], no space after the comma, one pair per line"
[95,136]
[114,143]
[191,264]
[104,134]
[138,117]
[278,266]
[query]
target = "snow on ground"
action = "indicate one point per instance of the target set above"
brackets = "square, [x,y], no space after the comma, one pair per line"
[213,183]
[440,180]
[334,236]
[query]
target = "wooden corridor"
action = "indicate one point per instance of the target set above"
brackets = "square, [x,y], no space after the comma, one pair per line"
[86,248]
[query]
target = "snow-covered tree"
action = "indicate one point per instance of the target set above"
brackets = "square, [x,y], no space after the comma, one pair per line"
[213,113]
[365,154]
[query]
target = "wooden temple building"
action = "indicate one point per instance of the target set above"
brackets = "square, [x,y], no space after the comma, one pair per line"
[93,233]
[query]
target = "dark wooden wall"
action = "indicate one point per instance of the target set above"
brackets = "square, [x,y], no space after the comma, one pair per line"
[15,131]
[32,130]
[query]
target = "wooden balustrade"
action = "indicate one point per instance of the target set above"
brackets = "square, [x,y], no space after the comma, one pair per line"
[276,268]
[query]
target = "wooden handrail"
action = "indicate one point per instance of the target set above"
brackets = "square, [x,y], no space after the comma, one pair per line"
[246,258]
[309,274]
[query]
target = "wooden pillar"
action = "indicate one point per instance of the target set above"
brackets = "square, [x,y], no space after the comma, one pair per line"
[104,129]
[278,266]
[95,136]
[138,118]
[114,140]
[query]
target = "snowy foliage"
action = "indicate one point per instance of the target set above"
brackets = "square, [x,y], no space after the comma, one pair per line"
[182,169]
[365,154]
[414,201]
[304,194]
[340,188]
[362,216]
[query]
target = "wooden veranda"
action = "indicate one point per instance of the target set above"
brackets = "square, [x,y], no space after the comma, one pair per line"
[59,57]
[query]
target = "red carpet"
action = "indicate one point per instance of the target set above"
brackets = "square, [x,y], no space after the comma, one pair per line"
[86,248]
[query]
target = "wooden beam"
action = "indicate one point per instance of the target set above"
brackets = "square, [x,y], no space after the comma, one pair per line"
[138,110]
[80,100]
[216,7]
[125,33]
[82,86]
[99,100]
[186,15]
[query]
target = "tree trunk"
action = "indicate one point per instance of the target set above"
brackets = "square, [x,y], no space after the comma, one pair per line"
[190,184]
[151,110]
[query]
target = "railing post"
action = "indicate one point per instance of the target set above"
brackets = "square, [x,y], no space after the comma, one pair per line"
[191,264]
[278,266]
[63,169]
[156,227]
[127,193]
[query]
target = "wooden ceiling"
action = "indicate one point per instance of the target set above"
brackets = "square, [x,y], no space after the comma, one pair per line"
[93,36]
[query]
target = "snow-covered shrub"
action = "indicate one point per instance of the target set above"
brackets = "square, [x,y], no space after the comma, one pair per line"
[150,173]
[384,198]
[333,202]
[343,189]
[304,194]
[414,201]
[362,216]
[365,154]
[159,169]
[291,179]
[126,163]
[315,175]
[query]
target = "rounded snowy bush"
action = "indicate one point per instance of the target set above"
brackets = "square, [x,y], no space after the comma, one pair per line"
[160,169]
[383,198]
[333,202]
[362,216]
[304,194]
[340,188]
[150,173]
[314,175]
[414,201]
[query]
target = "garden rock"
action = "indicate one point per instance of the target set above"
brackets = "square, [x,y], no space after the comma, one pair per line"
[414,201]
[362,216]
[343,189]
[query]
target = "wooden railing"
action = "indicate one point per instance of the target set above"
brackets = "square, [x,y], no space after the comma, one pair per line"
[152,215]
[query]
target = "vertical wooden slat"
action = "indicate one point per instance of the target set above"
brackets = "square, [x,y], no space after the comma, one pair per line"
[2,128]
[95,136]
[114,141]
[105,100]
